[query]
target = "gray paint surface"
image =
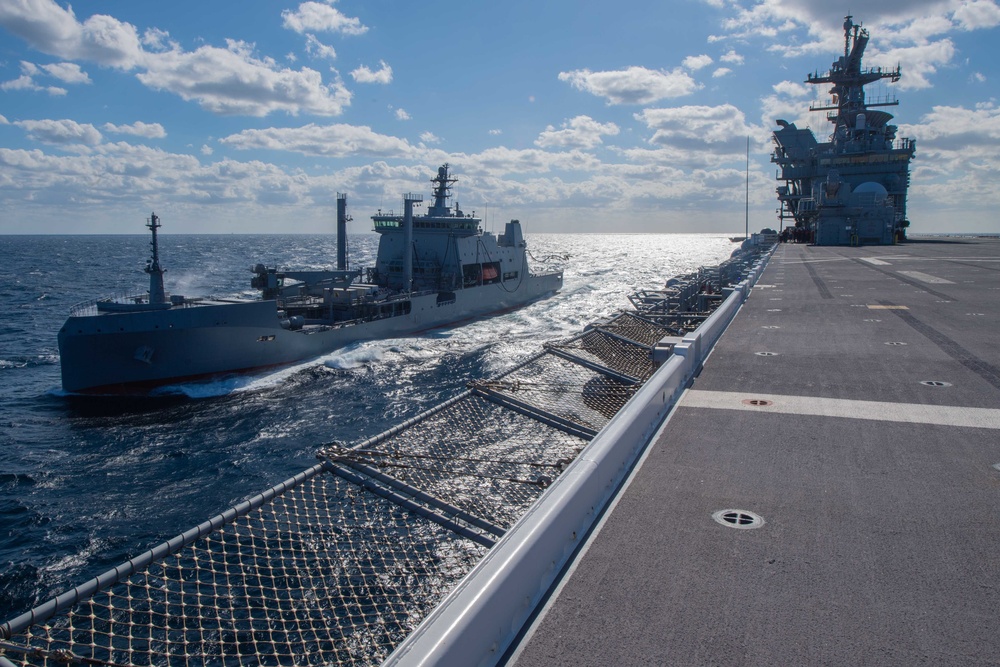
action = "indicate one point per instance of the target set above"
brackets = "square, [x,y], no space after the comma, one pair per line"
[881,536]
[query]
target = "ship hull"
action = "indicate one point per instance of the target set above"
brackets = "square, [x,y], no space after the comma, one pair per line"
[129,353]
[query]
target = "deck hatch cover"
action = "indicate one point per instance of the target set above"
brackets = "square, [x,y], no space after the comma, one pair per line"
[742,519]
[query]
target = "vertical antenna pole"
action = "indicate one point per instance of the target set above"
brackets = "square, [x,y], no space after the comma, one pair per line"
[748,191]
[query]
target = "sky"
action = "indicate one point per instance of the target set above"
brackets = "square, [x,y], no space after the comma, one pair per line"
[249,116]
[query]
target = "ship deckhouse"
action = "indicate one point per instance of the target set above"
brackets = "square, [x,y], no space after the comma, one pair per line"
[851,189]
[445,249]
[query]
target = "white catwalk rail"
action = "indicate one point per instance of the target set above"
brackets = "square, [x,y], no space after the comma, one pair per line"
[343,562]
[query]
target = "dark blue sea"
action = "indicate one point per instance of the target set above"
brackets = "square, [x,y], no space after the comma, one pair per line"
[85,483]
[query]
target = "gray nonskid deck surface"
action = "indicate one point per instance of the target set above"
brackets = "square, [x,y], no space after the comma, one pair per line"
[882,513]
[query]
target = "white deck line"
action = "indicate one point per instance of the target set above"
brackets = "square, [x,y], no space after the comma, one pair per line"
[926,277]
[909,413]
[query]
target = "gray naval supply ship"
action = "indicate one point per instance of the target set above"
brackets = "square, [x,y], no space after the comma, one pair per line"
[850,190]
[431,270]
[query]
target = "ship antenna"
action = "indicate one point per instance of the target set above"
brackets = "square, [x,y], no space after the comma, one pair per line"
[747,233]
[848,24]
[156,291]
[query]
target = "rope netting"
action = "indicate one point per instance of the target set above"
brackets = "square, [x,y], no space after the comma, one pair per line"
[339,564]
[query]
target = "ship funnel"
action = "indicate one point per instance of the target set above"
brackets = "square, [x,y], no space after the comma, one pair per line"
[408,201]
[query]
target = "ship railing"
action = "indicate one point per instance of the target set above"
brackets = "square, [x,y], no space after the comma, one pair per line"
[89,308]
[342,562]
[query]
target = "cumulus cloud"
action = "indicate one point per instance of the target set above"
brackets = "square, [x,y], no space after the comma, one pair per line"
[318,49]
[206,149]
[695,63]
[3,120]
[634,85]
[732,57]
[977,14]
[793,89]
[233,81]
[496,132]
[580,132]
[25,82]
[721,72]
[696,126]
[336,140]
[61,132]
[228,80]
[920,62]
[138,128]
[67,72]
[321,17]
[429,138]
[365,75]
[402,115]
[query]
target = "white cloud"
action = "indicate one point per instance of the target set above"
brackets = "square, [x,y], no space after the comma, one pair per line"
[496,132]
[60,132]
[977,14]
[635,85]
[721,72]
[402,115]
[732,57]
[67,72]
[695,63]
[979,77]
[920,62]
[3,120]
[320,17]
[365,75]
[697,127]
[793,89]
[318,49]
[138,128]
[580,132]
[224,81]
[233,81]
[336,140]
[206,149]
[429,138]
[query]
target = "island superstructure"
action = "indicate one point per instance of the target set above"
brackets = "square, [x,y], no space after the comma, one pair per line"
[431,270]
[850,190]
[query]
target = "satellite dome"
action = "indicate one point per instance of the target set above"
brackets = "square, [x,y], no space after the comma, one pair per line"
[868,192]
[872,186]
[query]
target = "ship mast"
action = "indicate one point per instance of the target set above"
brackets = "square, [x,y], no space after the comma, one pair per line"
[849,79]
[442,191]
[156,291]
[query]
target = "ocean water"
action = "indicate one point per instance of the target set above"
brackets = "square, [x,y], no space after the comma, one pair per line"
[85,483]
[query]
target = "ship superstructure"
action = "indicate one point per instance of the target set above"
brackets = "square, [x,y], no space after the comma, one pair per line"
[851,189]
[432,270]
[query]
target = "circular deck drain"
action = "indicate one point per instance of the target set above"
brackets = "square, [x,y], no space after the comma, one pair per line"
[895,342]
[742,519]
[757,402]
[766,354]
[935,383]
